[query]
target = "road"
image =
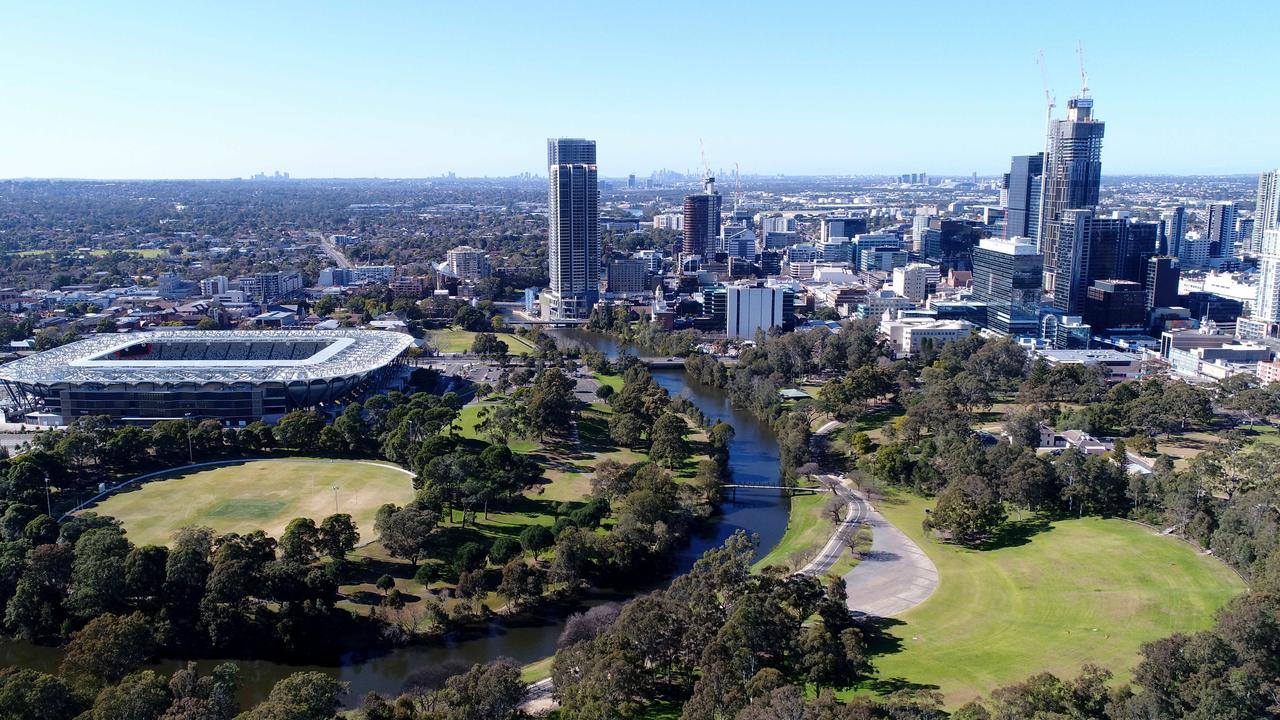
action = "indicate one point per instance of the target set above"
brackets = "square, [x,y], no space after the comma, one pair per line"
[894,577]
[326,244]
[855,514]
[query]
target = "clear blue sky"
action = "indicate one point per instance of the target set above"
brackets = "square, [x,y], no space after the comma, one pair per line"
[414,89]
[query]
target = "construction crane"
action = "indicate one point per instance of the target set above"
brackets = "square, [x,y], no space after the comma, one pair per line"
[1084,77]
[708,181]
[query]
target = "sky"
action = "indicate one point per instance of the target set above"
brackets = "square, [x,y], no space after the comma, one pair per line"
[416,89]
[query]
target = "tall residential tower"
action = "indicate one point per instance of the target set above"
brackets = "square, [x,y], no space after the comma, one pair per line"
[1072,177]
[573,238]
[702,220]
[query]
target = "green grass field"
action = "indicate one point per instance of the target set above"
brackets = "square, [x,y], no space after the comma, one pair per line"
[454,340]
[1075,591]
[807,531]
[262,494]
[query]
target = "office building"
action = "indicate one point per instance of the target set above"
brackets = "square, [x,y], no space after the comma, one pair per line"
[1072,177]
[1008,278]
[652,260]
[1114,305]
[912,281]
[1244,236]
[1211,307]
[1111,254]
[1173,227]
[1072,242]
[1161,282]
[1221,230]
[845,227]
[836,250]
[702,220]
[907,335]
[468,264]
[1144,238]
[573,238]
[1023,195]
[752,307]
[627,276]
[883,259]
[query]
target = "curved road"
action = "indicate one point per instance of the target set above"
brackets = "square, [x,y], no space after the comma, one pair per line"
[895,576]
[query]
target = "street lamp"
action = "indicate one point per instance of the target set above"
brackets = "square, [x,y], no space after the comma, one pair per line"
[191,455]
[47,502]
[335,499]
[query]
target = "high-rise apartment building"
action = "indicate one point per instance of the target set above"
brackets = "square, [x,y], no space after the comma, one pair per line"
[1072,177]
[1023,195]
[1073,243]
[1266,216]
[754,306]
[573,238]
[702,220]
[1220,230]
[1173,229]
[467,263]
[1008,277]
[1267,307]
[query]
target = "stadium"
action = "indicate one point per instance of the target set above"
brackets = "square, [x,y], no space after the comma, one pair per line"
[232,376]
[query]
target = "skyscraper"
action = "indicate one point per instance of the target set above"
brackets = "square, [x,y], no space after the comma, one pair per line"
[1161,282]
[1073,261]
[1221,230]
[702,220]
[1173,228]
[573,239]
[1024,189]
[1008,277]
[1267,307]
[1072,176]
[1266,216]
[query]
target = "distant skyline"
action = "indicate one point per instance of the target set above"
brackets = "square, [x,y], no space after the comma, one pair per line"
[400,89]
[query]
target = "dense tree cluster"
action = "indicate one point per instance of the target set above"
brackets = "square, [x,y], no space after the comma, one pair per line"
[718,636]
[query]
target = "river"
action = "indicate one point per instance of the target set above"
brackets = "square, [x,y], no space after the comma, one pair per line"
[753,458]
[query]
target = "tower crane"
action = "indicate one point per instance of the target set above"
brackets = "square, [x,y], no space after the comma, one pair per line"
[1084,77]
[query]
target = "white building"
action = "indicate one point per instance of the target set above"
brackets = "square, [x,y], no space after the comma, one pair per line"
[912,281]
[1267,306]
[215,285]
[669,221]
[906,334]
[652,260]
[468,264]
[752,307]
[879,302]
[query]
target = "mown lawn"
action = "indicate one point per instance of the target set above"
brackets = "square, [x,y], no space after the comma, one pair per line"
[453,340]
[1053,597]
[808,530]
[261,494]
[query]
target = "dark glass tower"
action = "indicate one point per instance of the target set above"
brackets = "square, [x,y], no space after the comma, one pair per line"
[1024,194]
[1007,276]
[702,220]
[1072,176]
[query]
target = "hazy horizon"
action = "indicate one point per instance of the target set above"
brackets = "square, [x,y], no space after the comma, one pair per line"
[406,91]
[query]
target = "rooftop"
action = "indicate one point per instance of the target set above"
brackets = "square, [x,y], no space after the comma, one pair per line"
[217,356]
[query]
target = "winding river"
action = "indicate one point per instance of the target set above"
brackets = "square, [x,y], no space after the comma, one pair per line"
[753,458]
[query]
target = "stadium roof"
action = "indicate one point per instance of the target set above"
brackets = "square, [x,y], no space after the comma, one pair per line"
[336,353]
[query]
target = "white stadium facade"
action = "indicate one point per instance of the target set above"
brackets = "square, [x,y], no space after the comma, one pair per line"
[232,376]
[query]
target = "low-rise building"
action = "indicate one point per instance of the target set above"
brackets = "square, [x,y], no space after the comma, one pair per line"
[908,333]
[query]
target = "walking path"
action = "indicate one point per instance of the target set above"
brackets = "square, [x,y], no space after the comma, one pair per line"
[855,514]
[894,577]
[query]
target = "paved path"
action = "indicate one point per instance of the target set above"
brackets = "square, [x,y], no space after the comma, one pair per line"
[894,577]
[855,514]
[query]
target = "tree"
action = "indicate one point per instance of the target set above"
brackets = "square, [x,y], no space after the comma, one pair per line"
[488,345]
[299,429]
[405,533]
[385,583]
[535,538]
[98,573]
[549,407]
[26,693]
[337,535]
[485,692]
[301,696]
[667,445]
[298,542]
[626,429]
[968,511]
[142,696]
[108,648]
